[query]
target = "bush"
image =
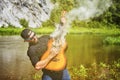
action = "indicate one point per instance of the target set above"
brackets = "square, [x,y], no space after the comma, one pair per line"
[100,71]
[24,23]
[112,40]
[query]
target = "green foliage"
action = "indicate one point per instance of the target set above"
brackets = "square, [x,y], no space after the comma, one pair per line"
[10,31]
[55,16]
[112,15]
[78,72]
[112,40]
[24,23]
[11,26]
[36,76]
[43,30]
[72,30]
[66,5]
[48,23]
[92,24]
[115,10]
[108,18]
[17,31]
[77,23]
[100,71]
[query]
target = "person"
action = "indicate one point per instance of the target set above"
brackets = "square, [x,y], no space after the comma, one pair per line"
[38,46]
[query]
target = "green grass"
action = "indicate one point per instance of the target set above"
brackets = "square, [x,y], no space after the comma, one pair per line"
[48,30]
[10,31]
[107,31]
[75,30]
[17,31]
[100,71]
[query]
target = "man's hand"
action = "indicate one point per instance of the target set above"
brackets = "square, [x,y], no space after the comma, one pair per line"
[63,19]
[40,64]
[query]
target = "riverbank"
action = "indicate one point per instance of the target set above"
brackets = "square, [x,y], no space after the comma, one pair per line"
[48,30]
[112,33]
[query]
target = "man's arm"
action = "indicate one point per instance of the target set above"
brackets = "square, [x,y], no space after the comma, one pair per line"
[42,63]
[54,50]
[63,18]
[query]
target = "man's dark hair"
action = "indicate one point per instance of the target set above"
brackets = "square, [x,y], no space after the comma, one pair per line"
[24,33]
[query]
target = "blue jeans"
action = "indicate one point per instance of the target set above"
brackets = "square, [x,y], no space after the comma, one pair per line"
[65,76]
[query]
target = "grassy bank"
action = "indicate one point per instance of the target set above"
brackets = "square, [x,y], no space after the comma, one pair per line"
[107,31]
[17,31]
[48,30]
[101,71]
[113,33]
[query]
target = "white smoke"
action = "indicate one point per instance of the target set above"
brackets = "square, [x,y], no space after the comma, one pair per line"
[87,9]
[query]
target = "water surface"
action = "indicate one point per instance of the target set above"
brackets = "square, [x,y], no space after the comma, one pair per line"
[84,49]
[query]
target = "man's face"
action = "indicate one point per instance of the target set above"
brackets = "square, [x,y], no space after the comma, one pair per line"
[32,40]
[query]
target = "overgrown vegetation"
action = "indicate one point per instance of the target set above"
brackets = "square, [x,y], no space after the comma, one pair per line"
[100,71]
[73,30]
[112,40]
[10,31]
[110,17]
[17,31]
[24,23]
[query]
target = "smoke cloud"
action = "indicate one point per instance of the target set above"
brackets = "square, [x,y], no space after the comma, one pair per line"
[88,9]
[84,10]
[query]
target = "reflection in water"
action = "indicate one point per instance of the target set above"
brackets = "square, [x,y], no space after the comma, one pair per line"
[87,49]
[82,49]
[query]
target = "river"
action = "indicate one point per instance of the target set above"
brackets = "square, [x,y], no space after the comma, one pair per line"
[84,49]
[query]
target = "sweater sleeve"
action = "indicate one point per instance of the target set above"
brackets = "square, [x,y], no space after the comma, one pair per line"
[36,51]
[33,57]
